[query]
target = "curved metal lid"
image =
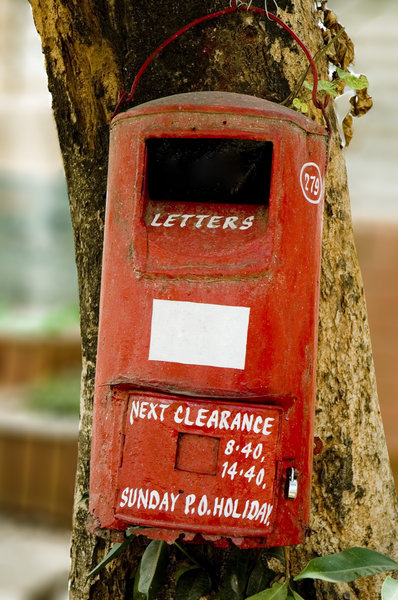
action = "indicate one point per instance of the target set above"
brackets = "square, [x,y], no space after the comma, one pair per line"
[223,102]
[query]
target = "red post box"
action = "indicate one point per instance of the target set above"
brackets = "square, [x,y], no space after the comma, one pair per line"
[204,399]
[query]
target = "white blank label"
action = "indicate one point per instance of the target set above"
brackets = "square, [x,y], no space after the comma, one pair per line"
[199,334]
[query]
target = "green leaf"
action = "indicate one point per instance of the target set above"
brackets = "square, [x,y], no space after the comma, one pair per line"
[390,589]
[152,570]
[260,578]
[113,553]
[356,83]
[183,570]
[347,566]
[236,574]
[136,594]
[323,86]
[292,595]
[300,106]
[182,548]
[193,584]
[277,592]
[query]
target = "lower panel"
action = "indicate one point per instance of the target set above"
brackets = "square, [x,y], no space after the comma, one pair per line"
[200,466]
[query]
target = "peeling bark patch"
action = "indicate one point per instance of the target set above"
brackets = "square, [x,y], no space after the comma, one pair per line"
[347,281]
[250,33]
[286,5]
[360,492]
[336,477]
[367,404]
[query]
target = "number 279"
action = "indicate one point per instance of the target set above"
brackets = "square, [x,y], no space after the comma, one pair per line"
[312,183]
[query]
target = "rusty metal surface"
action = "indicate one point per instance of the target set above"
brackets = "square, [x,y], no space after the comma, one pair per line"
[192,441]
[193,316]
[223,103]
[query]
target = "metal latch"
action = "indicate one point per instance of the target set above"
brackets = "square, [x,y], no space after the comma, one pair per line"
[292,485]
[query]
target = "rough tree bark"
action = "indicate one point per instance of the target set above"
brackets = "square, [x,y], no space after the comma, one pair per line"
[93,48]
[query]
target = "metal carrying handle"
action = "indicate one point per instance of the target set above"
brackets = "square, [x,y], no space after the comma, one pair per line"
[124,98]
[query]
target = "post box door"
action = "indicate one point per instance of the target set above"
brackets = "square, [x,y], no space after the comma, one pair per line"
[199,465]
[209,309]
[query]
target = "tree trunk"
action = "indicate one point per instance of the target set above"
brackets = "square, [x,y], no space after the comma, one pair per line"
[93,48]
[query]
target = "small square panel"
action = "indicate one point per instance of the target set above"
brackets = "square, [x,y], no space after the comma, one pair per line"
[197,453]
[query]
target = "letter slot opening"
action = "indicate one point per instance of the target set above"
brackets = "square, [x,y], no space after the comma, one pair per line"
[209,170]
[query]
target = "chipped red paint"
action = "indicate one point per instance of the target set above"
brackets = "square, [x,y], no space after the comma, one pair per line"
[204,398]
[318,446]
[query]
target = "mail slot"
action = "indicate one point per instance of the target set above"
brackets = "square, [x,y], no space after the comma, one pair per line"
[204,395]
